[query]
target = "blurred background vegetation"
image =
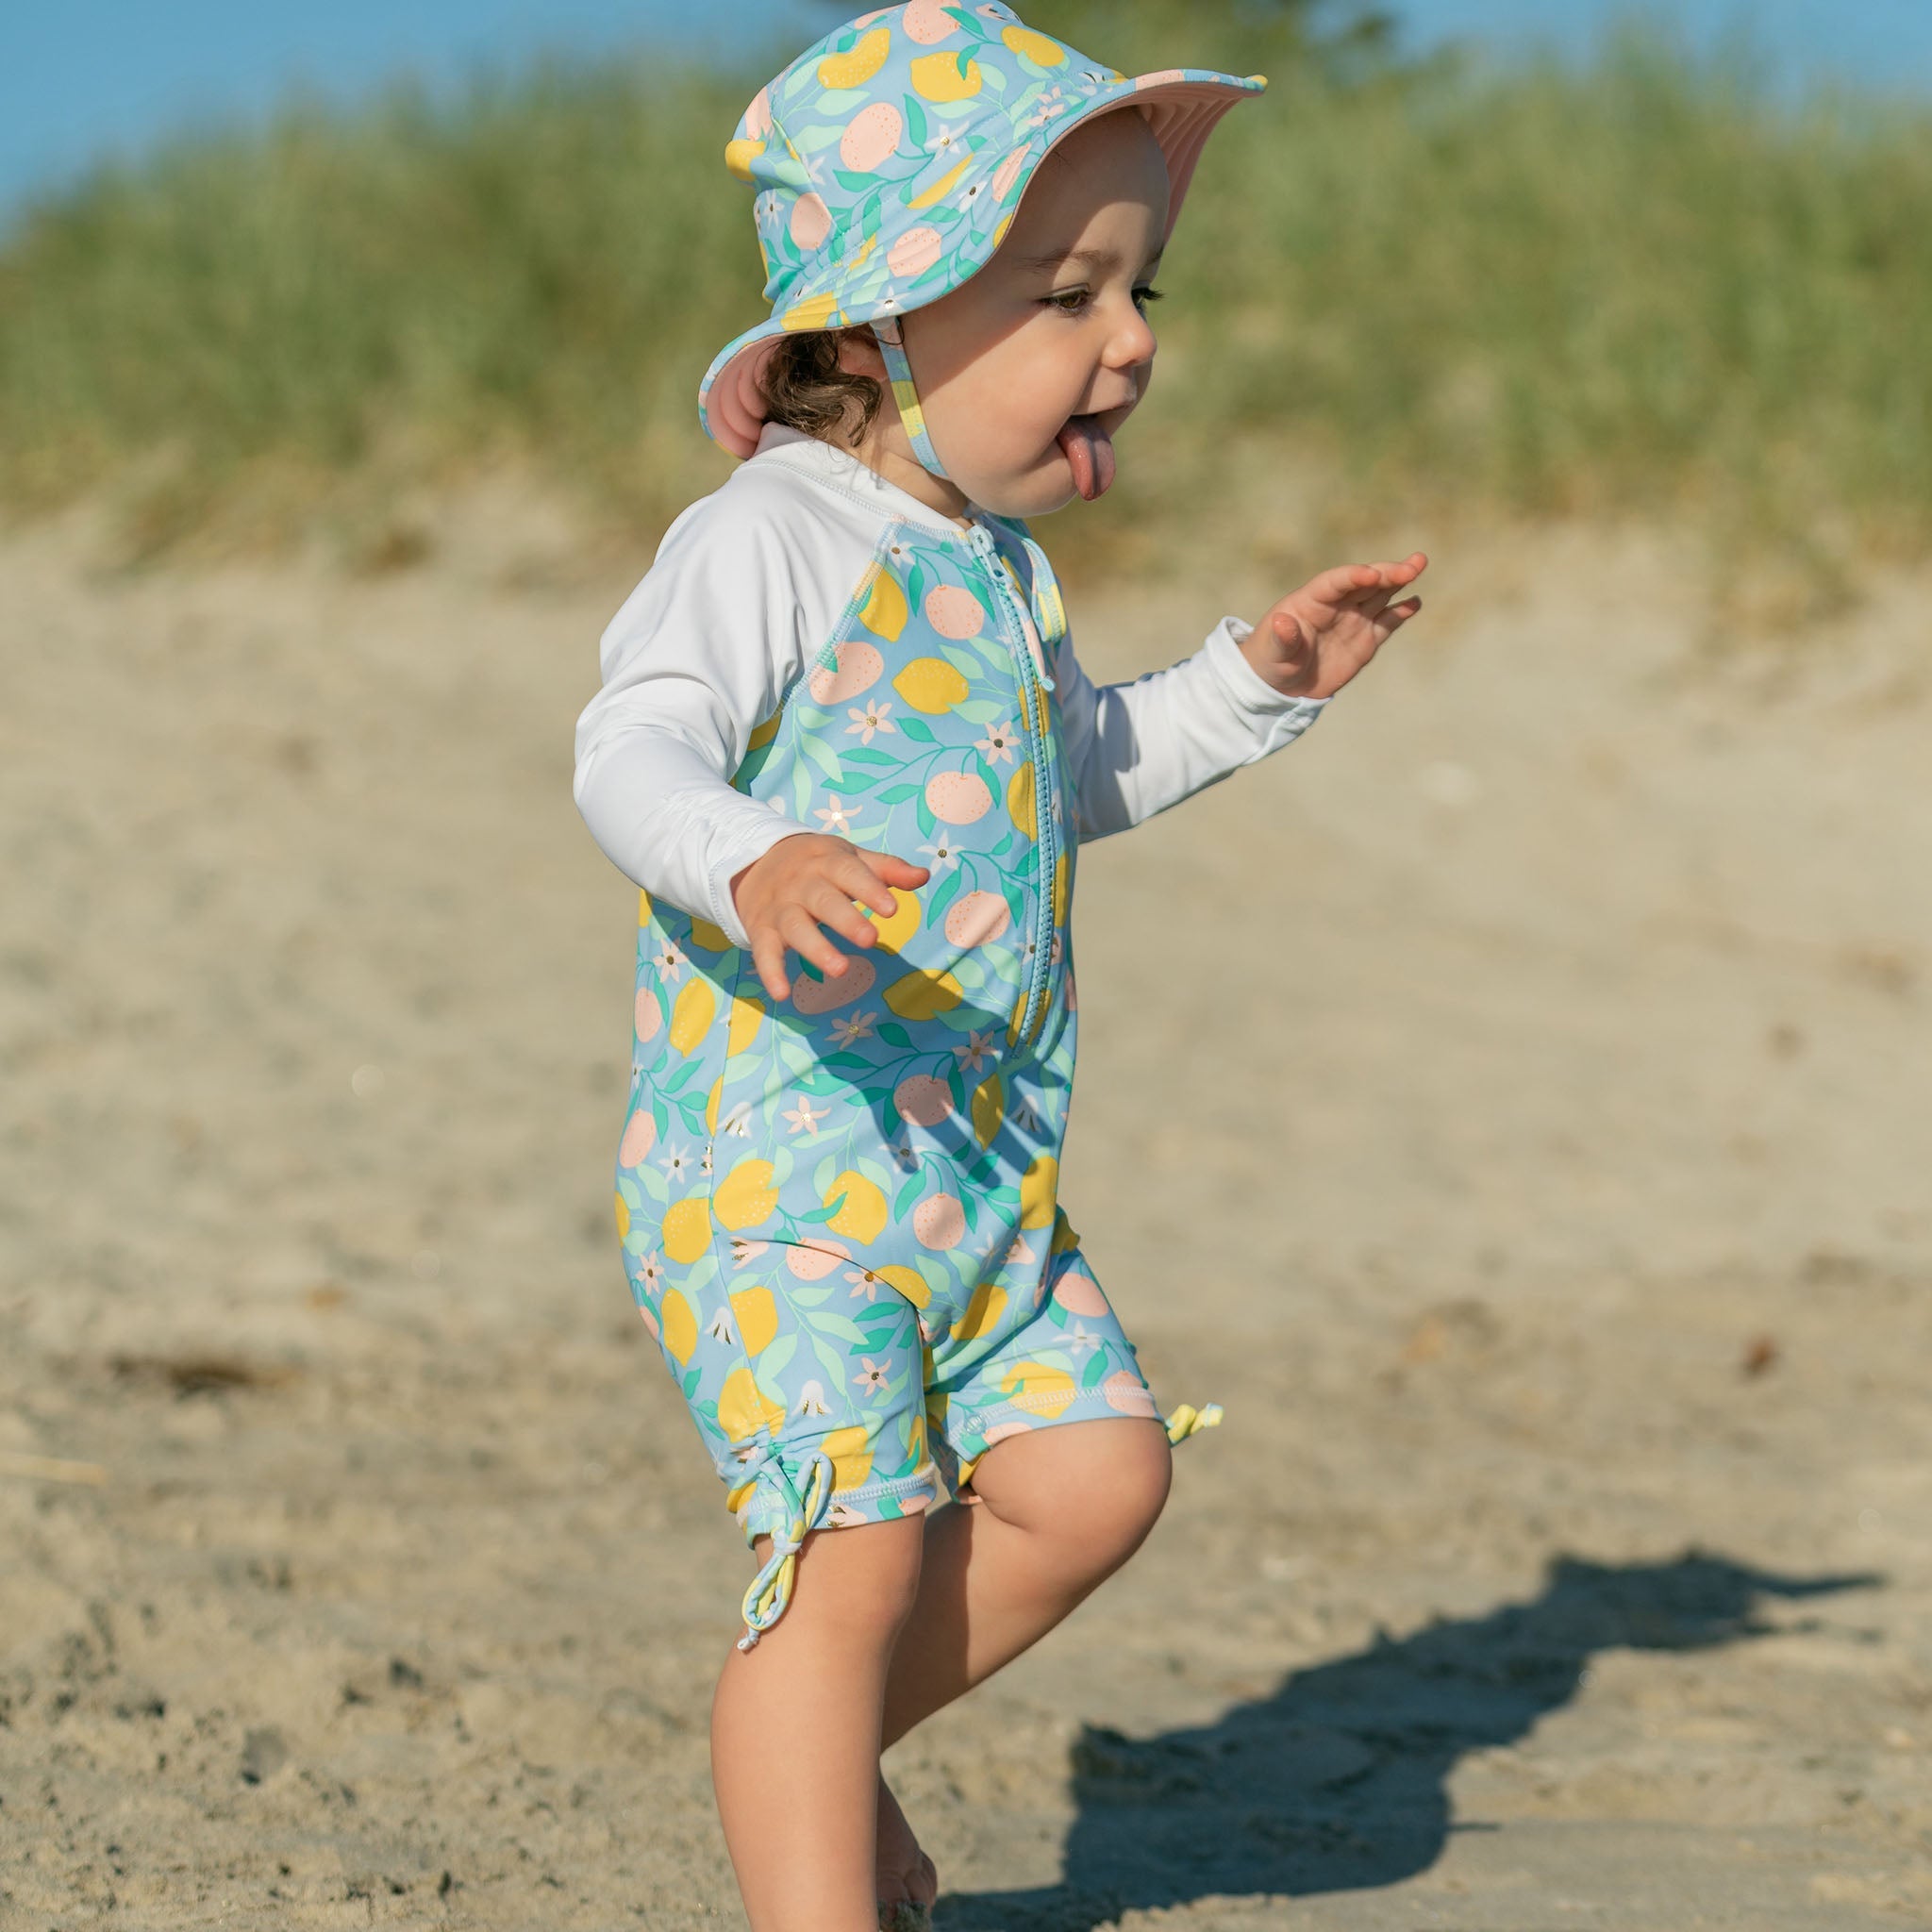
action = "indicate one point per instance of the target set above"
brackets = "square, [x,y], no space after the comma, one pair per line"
[1415,289]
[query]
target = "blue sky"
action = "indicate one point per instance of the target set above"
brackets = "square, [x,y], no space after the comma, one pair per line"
[86,78]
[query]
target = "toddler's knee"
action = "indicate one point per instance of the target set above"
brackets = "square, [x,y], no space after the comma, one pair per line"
[1109,1517]
[861,1579]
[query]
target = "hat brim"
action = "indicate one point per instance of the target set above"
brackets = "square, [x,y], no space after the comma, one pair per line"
[1181,108]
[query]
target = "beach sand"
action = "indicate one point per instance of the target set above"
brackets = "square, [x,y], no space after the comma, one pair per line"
[1533,1162]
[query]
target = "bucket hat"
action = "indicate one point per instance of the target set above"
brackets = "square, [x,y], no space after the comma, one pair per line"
[890,159]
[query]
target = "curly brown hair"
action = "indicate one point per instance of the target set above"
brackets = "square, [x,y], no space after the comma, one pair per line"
[805,389]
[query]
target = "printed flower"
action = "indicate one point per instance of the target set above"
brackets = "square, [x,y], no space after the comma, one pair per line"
[978,1045]
[803,1116]
[704,1164]
[737,1121]
[650,1272]
[903,1151]
[998,743]
[811,1401]
[1053,104]
[842,1516]
[871,1376]
[1025,1115]
[943,141]
[837,817]
[1019,1253]
[676,1163]
[853,1027]
[744,1252]
[943,857]
[720,1329]
[865,1283]
[873,718]
[1081,1341]
[669,962]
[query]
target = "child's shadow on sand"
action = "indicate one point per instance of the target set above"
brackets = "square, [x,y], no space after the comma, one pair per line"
[1338,1781]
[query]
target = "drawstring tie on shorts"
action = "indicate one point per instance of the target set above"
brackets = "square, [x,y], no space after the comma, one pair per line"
[1186,1419]
[771,1588]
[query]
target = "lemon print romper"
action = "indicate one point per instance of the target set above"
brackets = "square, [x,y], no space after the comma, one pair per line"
[840,1215]
[860,1274]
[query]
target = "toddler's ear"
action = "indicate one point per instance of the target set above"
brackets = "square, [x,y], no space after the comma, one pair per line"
[858,352]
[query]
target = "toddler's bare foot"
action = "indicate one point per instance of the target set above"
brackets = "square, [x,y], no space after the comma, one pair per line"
[908,1884]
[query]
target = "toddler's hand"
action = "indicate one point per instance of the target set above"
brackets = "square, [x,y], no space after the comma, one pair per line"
[807,877]
[1317,638]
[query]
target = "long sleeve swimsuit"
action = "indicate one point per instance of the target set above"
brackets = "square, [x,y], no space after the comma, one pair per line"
[840,1218]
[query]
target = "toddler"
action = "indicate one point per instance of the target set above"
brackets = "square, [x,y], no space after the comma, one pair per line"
[842,719]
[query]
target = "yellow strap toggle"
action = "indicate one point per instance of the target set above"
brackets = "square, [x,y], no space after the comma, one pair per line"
[1186,1419]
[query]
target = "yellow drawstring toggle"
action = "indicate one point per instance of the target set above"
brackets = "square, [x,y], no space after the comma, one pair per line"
[1186,1419]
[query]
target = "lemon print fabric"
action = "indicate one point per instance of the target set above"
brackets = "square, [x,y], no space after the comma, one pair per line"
[838,1211]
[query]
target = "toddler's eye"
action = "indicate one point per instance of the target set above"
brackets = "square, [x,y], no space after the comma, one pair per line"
[1148,294]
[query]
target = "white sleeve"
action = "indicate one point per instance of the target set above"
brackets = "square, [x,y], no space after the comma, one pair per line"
[1135,749]
[700,654]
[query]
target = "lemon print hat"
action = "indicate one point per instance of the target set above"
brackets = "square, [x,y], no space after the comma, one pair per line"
[890,158]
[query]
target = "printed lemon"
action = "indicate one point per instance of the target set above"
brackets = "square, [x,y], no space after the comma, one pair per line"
[898,925]
[930,684]
[762,734]
[678,1324]
[1019,800]
[851,1458]
[1034,47]
[712,1100]
[982,1311]
[643,908]
[909,1281]
[746,1014]
[757,1318]
[742,1409]
[740,154]
[863,1215]
[1038,1387]
[814,312]
[924,992]
[704,933]
[946,77]
[623,1217]
[1059,889]
[858,67]
[1038,1185]
[989,1109]
[687,1227]
[886,611]
[691,1017]
[1063,1235]
[745,1196]
[939,189]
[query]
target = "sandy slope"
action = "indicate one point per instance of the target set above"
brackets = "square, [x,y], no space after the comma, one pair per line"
[1558,1055]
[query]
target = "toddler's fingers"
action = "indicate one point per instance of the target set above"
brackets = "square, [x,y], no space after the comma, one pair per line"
[830,901]
[767,956]
[803,935]
[895,871]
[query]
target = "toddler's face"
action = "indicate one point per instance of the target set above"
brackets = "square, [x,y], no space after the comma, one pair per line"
[1027,369]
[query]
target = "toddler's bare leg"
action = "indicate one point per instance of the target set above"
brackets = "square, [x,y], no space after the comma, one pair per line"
[795,1731]
[1060,1509]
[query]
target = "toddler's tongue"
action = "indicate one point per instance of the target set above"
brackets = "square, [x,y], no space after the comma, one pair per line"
[1089,451]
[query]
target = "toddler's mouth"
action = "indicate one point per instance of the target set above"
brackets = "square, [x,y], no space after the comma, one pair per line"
[1088,445]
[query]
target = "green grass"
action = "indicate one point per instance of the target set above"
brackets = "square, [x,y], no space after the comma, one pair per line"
[1435,292]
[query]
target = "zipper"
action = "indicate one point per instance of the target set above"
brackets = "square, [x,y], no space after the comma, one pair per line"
[1032,705]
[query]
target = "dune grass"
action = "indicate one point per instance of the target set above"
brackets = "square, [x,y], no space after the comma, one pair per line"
[1437,289]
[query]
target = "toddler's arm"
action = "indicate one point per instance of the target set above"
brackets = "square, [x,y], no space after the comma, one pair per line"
[701,652]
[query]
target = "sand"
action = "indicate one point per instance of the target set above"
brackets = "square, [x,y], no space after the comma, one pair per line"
[1533,1162]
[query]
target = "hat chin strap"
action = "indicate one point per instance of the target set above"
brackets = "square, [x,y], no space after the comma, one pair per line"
[893,348]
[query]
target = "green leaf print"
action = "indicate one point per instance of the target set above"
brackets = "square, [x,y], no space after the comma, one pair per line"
[968,1202]
[822,756]
[1096,1369]
[830,1360]
[690,1385]
[812,139]
[902,1203]
[844,101]
[819,1214]
[964,662]
[943,897]
[821,1175]
[894,1035]
[678,1080]
[980,711]
[829,1323]
[915,121]
[919,730]
[864,756]
[654,1184]
[923,814]
[872,1171]
[853,184]
[801,792]
[898,794]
